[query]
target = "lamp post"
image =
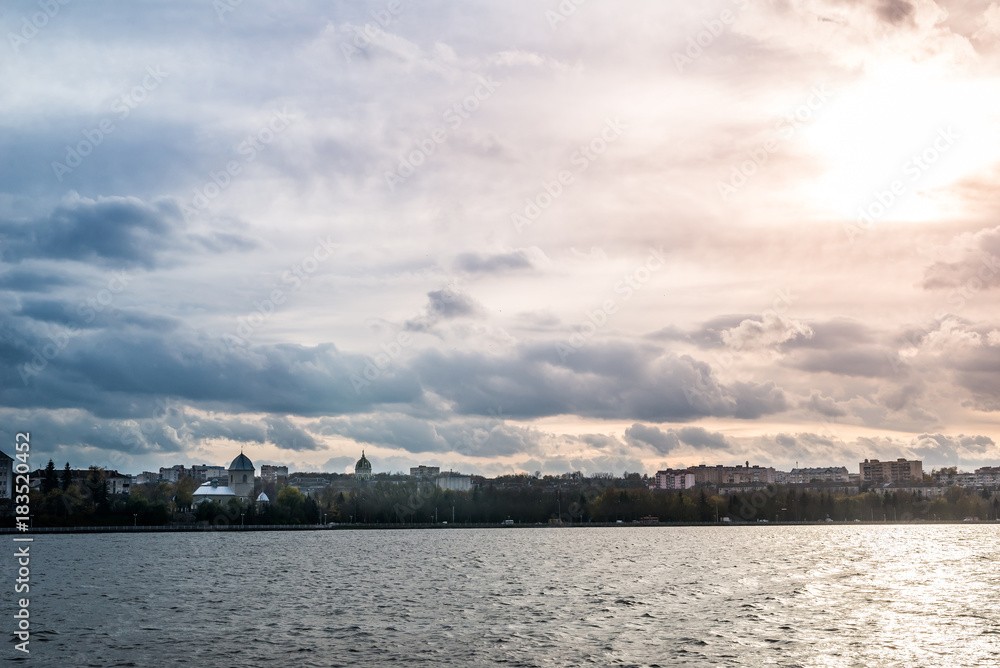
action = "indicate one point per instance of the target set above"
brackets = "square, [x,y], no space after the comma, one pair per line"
[241,520]
[135,519]
[324,519]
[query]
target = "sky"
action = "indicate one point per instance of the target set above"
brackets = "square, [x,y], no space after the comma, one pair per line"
[500,237]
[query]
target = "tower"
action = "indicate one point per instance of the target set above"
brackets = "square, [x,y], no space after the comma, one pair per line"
[241,476]
[363,469]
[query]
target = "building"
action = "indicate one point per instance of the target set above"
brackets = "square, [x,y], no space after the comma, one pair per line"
[836,488]
[205,472]
[826,474]
[196,471]
[425,472]
[674,479]
[146,478]
[733,475]
[454,482]
[988,476]
[213,491]
[118,483]
[241,477]
[272,473]
[174,473]
[6,476]
[874,472]
[88,479]
[363,469]
[922,489]
[309,485]
[952,477]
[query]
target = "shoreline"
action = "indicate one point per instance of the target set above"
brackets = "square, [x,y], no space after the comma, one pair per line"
[398,527]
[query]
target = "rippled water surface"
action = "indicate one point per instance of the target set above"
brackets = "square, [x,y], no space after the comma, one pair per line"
[644,596]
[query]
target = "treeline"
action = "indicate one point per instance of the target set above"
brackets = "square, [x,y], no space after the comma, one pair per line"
[61,501]
[779,503]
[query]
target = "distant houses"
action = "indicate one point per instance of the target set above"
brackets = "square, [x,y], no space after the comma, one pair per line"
[239,479]
[875,473]
[872,473]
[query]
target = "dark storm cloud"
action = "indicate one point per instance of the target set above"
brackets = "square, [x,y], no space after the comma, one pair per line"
[115,230]
[824,406]
[977,371]
[478,263]
[96,368]
[951,448]
[52,310]
[832,334]
[68,431]
[669,333]
[82,315]
[28,280]
[444,304]
[699,437]
[474,438]
[119,164]
[666,441]
[447,303]
[803,446]
[895,12]
[784,440]
[867,362]
[99,370]
[663,442]
[613,380]
[899,398]
[288,436]
[112,231]
[233,428]
[160,427]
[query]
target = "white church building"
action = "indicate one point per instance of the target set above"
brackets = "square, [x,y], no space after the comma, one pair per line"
[240,484]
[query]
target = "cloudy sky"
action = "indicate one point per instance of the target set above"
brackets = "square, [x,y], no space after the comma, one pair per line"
[501,236]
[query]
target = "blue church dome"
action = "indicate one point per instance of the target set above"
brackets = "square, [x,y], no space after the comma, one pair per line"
[363,469]
[241,463]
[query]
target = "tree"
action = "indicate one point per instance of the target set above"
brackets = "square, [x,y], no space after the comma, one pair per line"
[311,511]
[67,478]
[291,500]
[184,491]
[50,480]
[98,487]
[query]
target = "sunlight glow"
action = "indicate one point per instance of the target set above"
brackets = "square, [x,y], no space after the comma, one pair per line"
[909,125]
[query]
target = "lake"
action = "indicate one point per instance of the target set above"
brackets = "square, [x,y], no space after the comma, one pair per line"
[619,596]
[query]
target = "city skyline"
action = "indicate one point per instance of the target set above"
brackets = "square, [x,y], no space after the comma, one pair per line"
[585,239]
